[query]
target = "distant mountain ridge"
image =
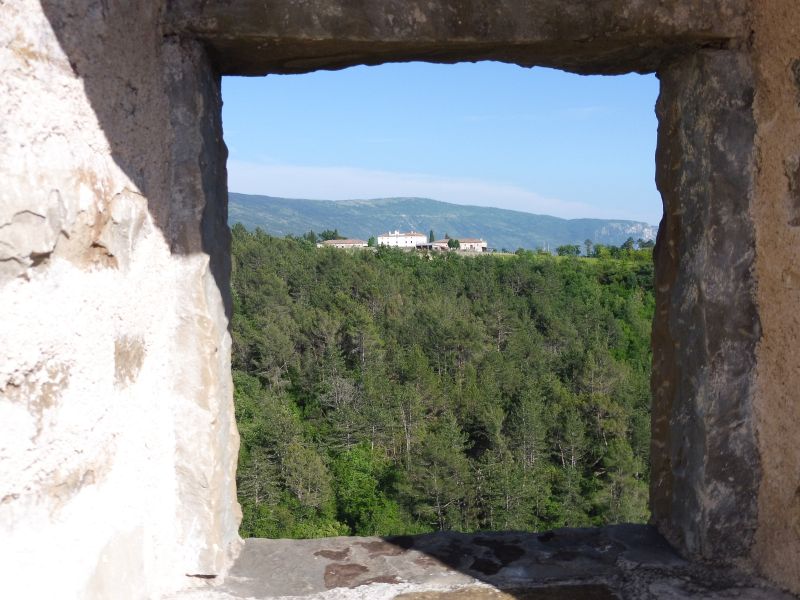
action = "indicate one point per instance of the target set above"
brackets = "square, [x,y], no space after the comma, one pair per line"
[501,228]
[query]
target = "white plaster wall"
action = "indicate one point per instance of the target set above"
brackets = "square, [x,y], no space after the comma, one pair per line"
[401,241]
[117,438]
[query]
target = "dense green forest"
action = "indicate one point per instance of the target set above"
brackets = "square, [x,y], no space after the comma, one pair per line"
[384,392]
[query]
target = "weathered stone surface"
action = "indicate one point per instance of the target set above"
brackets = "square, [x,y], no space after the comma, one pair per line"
[550,592]
[629,562]
[250,37]
[705,459]
[777,269]
[117,441]
[118,445]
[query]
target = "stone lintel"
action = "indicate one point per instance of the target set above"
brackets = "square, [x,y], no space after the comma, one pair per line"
[252,37]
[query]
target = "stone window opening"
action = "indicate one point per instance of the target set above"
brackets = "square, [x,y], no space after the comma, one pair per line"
[250,491]
[119,477]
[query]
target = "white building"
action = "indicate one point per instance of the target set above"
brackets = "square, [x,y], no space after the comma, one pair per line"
[439,245]
[472,244]
[408,239]
[464,245]
[343,244]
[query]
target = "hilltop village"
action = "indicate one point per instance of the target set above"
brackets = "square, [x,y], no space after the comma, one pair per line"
[412,240]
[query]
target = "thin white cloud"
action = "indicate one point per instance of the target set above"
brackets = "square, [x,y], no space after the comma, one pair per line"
[349,183]
[573,113]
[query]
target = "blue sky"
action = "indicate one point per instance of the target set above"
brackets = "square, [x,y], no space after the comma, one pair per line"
[489,134]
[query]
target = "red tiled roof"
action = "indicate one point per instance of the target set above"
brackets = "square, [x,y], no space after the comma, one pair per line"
[462,240]
[348,241]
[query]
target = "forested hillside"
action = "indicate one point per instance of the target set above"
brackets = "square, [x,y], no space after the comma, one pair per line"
[388,392]
[502,228]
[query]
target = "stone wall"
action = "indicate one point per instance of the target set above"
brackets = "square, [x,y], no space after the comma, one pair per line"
[118,446]
[776,212]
